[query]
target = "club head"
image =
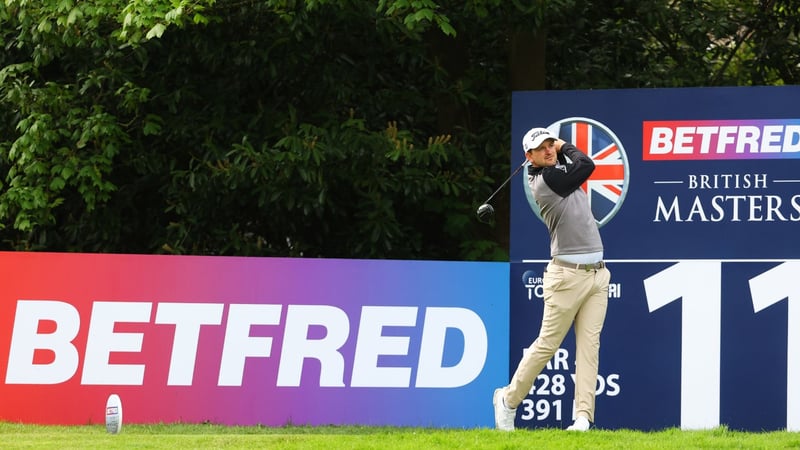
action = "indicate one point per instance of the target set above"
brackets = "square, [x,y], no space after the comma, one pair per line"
[485,213]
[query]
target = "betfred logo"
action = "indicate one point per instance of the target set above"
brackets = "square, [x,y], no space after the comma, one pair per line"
[720,139]
[43,346]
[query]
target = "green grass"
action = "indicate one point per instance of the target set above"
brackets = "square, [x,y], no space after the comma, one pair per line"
[184,436]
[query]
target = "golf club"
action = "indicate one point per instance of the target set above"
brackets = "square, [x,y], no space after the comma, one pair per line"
[486,211]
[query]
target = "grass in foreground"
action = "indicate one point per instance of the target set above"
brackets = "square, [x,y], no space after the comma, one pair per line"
[185,436]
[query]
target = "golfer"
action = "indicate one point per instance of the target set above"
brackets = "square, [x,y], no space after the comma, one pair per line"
[575,280]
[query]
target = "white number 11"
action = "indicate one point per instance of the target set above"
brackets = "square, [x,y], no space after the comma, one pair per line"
[699,283]
[767,289]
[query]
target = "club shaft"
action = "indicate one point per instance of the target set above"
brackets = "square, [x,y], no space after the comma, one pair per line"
[505,182]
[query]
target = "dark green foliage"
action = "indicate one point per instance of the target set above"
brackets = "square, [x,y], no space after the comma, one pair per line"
[318,128]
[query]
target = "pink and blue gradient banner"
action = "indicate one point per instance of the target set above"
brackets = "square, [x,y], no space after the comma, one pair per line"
[245,341]
[720,139]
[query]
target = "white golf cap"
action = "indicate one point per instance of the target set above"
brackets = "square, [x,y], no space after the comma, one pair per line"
[534,138]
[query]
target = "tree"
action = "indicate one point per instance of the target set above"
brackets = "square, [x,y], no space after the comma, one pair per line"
[266,128]
[650,43]
[328,128]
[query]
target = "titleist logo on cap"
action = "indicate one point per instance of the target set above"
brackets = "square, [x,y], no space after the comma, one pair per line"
[539,133]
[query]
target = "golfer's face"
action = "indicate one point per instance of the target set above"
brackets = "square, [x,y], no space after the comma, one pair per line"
[543,155]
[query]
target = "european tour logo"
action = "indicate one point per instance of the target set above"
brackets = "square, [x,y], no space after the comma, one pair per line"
[720,139]
[607,186]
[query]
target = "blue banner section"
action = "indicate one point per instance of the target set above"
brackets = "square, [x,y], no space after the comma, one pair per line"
[683,346]
[681,173]
[697,195]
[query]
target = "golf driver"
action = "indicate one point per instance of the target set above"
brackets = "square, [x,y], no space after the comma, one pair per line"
[486,211]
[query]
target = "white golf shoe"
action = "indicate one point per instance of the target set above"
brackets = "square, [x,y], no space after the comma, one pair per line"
[581,424]
[503,416]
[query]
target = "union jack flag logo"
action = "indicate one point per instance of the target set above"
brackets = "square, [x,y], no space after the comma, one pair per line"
[607,186]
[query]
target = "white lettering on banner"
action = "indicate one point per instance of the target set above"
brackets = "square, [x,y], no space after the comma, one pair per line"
[549,384]
[688,140]
[605,386]
[28,339]
[430,373]
[699,284]
[768,289]
[103,340]
[740,207]
[372,344]
[297,347]
[701,312]
[25,340]
[239,345]
[537,290]
[733,208]
[558,361]
[187,318]
[728,181]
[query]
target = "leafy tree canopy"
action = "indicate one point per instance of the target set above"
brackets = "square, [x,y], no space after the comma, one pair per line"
[327,128]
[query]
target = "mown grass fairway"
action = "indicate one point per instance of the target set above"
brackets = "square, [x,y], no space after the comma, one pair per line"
[184,436]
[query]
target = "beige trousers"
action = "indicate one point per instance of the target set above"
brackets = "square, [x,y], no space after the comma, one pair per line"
[570,296]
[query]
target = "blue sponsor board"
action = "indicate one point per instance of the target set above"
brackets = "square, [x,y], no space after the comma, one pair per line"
[729,186]
[692,344]
[697,193]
